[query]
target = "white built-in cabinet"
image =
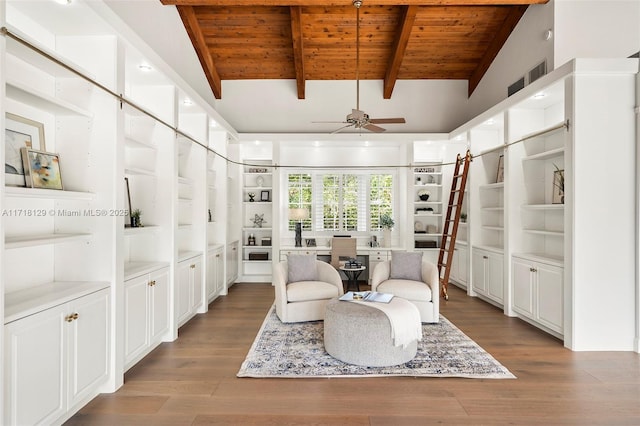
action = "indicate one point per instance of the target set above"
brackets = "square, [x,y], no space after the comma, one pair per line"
[538,293]
[146,313]
[189,292]
[488,274]
[56,358]
[215,273]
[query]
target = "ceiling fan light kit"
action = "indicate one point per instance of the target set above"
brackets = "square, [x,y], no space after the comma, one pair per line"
[358,119]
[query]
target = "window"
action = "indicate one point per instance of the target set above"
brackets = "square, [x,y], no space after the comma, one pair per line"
[341,202]
[300,197]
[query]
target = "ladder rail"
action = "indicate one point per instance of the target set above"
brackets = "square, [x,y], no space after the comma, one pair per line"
[450,228]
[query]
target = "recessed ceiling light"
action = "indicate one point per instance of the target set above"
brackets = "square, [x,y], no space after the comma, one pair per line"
[212,123]
[63,2]
[145,67]
[539,95]
[316,143]
[489,122]
[187,102]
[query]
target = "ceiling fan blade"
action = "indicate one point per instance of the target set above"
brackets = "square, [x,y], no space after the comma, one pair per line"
[341,128]
[374,128]
[387,120]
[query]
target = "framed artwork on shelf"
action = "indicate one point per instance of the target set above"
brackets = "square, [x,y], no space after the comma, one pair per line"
[558,187]
[265,196]
[41,169]
[500,172]
[20,132]
[311,242]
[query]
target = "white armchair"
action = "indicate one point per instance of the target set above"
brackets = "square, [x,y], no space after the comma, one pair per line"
[305,300]
[424,294]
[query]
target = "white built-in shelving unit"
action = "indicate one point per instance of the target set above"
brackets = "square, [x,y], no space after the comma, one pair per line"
[535,251]
[428,207]
[76,274]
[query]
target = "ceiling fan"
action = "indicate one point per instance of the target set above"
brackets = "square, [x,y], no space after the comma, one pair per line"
[358,119]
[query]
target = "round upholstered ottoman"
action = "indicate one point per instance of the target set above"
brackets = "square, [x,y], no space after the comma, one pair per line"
[361,335]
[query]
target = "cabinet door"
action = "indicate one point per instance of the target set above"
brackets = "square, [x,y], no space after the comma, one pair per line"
[183,291]
[462,268]
[495,277]
[375,258]
[232,263]
[522,287]
[219,271]
[136,317]
[196,284]
[159,305]
[478,260]
[88,345]
[211,276]
[35,373]
[549,296]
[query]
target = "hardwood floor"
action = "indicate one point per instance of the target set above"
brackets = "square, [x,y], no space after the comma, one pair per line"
[192,381]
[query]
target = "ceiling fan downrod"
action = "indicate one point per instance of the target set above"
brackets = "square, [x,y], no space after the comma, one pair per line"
[357,4]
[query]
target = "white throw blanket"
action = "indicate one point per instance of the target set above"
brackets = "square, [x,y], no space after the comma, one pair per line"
[404,318]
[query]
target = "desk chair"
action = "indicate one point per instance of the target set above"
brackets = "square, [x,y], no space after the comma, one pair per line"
[342,249]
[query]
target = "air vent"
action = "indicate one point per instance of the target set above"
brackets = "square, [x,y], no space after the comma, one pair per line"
[515,87]
[537,71]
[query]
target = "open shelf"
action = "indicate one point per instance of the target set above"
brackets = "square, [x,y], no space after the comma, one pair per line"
[51,194]
[26,95]
[43,239]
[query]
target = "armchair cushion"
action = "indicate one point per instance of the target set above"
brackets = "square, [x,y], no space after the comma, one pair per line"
[302,267]
[406,266]
[407,289]
[310,290]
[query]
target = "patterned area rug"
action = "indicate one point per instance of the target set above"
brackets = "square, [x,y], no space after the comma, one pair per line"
[297,351]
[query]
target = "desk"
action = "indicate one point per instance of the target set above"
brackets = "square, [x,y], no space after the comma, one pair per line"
[352,276]
[370,256]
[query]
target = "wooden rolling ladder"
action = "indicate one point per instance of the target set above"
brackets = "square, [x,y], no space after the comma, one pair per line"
[450,229]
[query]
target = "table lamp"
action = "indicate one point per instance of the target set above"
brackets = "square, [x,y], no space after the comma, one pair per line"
[298,215]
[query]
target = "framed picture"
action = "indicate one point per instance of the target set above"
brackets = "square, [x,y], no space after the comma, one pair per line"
[311,242]
[500,173]
[19,133]
[41,169]
[265,196]
[558,187]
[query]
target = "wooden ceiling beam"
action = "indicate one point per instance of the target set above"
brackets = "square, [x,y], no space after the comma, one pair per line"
[298,48]
[342,2]
[407,18]
[497,43]
[190,21]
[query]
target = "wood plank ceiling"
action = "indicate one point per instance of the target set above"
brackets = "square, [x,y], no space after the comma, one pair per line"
[316,39]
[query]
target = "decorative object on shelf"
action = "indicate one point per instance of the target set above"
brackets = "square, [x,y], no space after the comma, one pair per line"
[386,223]
[432,229]
[463,217]
[258,220]
[500,172]
[258,256]
[126,183]
[558,186]
[258,170]
[19,132]
[418,180]
[298,215]
[431,179]
[265,196]
[424,195]
[210,216]
[251,195]
[311,242]
[374,241]
[135,218]
[41,169]
[425,244]
[418,227]
[424,170]
[252,240]
[260,181]
[266,241]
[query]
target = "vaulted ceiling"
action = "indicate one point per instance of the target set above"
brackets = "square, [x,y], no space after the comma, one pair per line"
[316,39]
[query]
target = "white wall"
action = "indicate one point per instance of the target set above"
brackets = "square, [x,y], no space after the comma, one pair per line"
[581,29]
[596,29]
[524,49]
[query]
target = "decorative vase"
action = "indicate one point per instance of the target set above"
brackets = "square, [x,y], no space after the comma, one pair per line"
[386,237]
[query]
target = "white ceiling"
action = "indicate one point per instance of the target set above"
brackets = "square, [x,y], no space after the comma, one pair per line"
[272,106]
